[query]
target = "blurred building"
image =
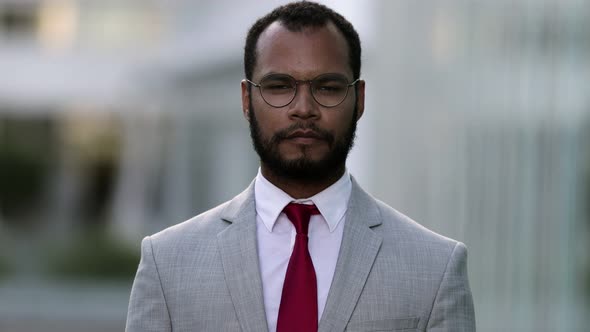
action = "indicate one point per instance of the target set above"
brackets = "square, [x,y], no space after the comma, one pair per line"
[127,115]
[483,108]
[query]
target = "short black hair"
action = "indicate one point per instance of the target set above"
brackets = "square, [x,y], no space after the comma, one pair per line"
[296,16]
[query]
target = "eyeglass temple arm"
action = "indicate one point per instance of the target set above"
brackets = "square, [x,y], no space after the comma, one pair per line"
[255,85]
[355,82]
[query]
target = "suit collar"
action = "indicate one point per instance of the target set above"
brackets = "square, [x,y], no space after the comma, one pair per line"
[239,256]
[359,248]
[244,202]
[364,205]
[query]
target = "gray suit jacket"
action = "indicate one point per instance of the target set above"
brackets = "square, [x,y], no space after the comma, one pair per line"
[392,274]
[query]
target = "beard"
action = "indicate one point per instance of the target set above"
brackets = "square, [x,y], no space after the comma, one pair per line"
[303,169]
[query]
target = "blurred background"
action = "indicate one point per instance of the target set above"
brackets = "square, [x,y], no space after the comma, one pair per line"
[120,118]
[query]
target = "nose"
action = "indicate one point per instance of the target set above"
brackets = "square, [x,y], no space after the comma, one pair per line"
[304,105]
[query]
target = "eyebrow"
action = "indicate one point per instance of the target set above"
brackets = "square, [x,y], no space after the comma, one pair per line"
[309,79]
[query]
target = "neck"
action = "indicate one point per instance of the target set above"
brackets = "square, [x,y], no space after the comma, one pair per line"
[298,188]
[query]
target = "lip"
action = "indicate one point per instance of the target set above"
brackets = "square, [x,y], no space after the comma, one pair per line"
[304,137]
[304,140]
[304,134]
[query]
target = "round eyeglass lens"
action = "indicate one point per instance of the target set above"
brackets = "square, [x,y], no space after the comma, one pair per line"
[329,90]
[278,90]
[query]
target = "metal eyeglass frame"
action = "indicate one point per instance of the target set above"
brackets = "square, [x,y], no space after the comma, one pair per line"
[297,82]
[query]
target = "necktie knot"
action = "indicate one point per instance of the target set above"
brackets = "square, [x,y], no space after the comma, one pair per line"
[299,215]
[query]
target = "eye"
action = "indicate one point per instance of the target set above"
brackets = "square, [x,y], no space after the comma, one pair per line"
[330,87]
[330,84]
[278,84]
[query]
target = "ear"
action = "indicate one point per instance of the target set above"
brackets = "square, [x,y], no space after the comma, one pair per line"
[245,100]
[360,98]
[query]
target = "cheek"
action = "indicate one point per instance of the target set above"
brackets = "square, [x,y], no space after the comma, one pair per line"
[268,121]
[340,122]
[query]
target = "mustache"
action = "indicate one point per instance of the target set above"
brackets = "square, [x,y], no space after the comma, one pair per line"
[319,132]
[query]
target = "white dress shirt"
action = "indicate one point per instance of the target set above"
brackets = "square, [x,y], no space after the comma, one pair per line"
[276,238]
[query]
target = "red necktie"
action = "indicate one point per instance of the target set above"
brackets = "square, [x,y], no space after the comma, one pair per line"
[298,311]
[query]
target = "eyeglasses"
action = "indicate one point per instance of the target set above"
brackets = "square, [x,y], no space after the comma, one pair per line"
[279,90]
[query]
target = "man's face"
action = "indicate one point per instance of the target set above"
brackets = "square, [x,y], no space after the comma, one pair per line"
[303,140]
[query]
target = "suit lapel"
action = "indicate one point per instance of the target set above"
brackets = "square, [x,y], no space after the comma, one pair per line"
[239,255]
[359,248]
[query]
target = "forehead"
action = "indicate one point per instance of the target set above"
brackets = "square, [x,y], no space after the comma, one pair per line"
[302,54]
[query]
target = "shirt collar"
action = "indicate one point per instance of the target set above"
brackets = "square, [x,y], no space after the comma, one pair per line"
[332,201]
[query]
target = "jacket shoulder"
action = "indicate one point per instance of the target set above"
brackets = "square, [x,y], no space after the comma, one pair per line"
[206,224]
[395,222]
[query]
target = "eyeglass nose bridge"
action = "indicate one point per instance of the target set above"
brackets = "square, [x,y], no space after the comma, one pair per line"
[301,82]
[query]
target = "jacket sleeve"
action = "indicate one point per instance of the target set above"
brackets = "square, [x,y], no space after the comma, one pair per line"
[453,306]
[148,310]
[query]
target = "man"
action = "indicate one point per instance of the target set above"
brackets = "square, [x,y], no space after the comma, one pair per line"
[303,248]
